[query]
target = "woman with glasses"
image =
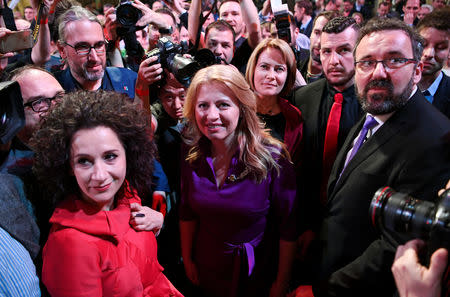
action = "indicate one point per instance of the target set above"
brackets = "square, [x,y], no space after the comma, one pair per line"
[237,192]
[94,154]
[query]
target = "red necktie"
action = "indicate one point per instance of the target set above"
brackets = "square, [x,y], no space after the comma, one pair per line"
[330,144]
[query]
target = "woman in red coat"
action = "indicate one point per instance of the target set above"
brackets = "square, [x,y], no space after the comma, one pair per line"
[94,152]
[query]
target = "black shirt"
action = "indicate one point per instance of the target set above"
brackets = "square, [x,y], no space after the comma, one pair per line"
[351,113]
[276,124]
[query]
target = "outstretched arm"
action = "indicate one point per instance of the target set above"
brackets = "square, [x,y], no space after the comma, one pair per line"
[251,20]
[194,19]
[41,51]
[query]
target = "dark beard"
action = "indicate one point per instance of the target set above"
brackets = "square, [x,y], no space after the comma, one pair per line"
[384,104]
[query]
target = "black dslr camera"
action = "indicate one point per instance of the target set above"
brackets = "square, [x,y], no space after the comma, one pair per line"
[12,117]
[398,212]
[127,14]
[170,56]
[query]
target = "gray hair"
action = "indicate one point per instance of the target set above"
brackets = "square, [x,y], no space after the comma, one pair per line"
[75,13]
[430,8]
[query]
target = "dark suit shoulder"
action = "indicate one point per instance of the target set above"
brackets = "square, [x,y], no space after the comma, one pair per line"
[428,116]
[309,92]
[442,96]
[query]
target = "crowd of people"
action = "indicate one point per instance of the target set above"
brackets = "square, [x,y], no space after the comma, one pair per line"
[222,148]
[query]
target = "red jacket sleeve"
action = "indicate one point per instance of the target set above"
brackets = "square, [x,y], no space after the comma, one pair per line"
[71,266]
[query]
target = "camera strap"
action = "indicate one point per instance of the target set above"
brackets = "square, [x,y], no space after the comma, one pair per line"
[200,25]
[8,16]
[37,26]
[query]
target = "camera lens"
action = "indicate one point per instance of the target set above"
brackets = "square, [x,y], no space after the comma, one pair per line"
[127,15]
[401,213]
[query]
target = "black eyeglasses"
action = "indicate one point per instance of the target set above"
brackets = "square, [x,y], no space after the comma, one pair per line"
[388,64]
[84,49]
[43,104]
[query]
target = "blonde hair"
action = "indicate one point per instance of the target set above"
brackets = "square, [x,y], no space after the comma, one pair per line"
[257,149]
[288,56]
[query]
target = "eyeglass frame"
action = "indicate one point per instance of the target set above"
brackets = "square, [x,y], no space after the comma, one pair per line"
[405,62]
[105,44]
[48,101]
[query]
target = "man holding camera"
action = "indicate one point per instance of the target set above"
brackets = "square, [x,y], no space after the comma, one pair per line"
[83,47]
[402,141]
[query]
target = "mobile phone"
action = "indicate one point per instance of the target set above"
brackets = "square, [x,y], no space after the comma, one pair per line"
[16,41]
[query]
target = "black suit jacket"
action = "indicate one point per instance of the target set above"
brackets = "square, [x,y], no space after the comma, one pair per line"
[408,153]
[308,99]
[441,99]
[366,11]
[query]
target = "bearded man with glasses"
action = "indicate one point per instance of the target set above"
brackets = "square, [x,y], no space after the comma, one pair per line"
[402,141]
[82,46]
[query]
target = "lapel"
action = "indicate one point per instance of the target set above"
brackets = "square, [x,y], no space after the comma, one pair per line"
[311,104]
[390,128]
[441,97]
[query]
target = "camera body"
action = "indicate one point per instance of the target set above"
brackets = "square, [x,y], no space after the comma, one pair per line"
[282,20]
[12,117]
[400,213]
[127,14]
[171,57]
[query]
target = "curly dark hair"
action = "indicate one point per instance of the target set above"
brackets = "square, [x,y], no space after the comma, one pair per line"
[86,110]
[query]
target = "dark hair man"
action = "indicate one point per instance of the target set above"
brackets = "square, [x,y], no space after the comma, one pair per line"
[383,10]
[313,68]
[219,38]
[402,141]
[329,110]
[438,4]
[435,30]
[303,16]
[242,16]
[411,10]
[28,13]
[361,7]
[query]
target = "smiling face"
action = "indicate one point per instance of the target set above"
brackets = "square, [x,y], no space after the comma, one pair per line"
[383,91]
[99,166]
[84,68]
[270,73]
[436,50]
[336,56]
[217,116]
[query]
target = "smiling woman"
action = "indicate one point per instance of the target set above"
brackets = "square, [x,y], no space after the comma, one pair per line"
[94,153]
[237,192]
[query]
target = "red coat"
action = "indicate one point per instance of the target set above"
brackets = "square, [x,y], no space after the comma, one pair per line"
[97,253]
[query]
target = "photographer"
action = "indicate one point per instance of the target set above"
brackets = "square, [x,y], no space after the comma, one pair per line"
[124,28]
[413,279]
[83,46]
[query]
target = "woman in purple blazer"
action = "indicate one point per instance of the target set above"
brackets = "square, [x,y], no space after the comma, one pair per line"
[238,192]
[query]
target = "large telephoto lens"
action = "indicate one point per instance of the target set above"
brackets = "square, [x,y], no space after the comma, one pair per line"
[401,213]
